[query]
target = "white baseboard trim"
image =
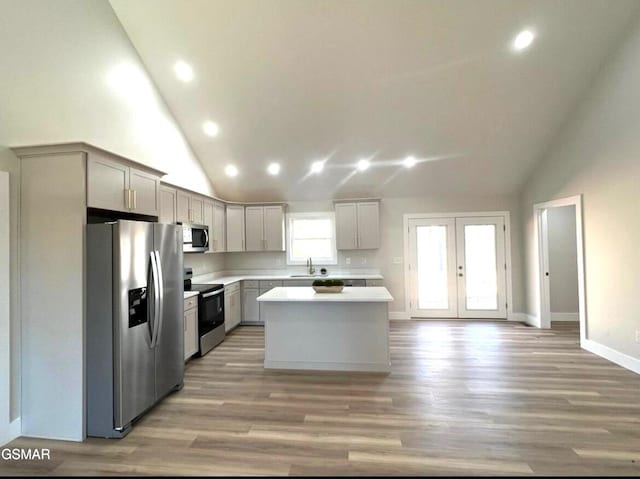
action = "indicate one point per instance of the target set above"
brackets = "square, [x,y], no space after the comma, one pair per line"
[565,316]
[621,359]
[399,315]
[519,317]
[14,431]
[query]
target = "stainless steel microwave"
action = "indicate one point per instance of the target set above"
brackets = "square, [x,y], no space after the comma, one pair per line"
[195,238]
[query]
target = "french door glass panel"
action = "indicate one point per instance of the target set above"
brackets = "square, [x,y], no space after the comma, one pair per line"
[481,267]
[433,290]
[432,246]
[480,264]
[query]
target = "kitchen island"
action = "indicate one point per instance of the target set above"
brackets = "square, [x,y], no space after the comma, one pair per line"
[347,331]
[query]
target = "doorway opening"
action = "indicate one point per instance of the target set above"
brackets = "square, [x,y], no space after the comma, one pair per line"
[457,265]
[560,265]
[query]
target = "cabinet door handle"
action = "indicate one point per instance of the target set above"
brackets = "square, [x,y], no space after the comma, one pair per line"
[135,199]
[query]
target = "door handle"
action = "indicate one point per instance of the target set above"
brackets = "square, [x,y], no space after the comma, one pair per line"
[135,199]
[160,296]
[156,298]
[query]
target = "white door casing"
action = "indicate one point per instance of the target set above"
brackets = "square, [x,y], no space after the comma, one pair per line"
[500,220]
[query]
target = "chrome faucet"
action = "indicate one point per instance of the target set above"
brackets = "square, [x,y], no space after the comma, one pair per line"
[310,267]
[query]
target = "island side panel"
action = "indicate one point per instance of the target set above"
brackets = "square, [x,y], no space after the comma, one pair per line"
[327,336]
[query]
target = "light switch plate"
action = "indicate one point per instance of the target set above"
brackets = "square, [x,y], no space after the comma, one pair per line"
[397,260]
[347,260]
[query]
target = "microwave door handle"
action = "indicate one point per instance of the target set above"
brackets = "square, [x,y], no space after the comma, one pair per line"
[160,296]
[206,238]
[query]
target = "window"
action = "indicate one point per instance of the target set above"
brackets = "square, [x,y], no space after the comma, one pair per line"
[311,235]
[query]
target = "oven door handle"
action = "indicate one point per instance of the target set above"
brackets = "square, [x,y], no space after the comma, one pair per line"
[214,293]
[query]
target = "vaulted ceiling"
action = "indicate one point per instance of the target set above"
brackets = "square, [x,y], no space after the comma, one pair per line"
[295,81]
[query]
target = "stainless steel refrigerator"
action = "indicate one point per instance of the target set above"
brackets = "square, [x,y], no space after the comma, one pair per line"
[134,327]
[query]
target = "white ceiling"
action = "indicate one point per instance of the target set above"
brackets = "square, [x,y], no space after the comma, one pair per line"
[301,80]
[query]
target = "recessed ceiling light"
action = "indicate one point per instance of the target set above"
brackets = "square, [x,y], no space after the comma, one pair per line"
[183,71]
[523,40]
[363,164]
[317,166]
[231,170]
[210,128]
[274,168]
[409,161]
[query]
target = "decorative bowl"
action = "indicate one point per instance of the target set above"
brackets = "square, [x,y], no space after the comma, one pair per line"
[328,289]
[328,285]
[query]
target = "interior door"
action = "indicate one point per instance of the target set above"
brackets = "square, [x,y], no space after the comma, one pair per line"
[481,267]
[432,247]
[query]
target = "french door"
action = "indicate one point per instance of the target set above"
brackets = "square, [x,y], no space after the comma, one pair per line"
[457,267]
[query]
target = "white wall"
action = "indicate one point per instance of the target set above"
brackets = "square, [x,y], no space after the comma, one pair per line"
[391,241]
[203,263]
[563,259]
[70,73]
[597,155]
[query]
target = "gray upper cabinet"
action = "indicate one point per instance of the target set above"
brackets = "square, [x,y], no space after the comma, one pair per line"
[183,207]
[107,184]
[357,225]
[235,228]
[146,192]
[254,227]
[346,226]
[207,213]
[168,205]
[274,228]
[368,225]
[197,213]
[265,228]
[116,186]
[189,208]
[219,228]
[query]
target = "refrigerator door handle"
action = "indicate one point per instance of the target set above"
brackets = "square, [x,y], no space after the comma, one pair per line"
[156,299]
[160,296]
[150,295]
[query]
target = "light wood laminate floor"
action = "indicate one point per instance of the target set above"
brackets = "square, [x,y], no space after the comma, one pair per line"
[463,398]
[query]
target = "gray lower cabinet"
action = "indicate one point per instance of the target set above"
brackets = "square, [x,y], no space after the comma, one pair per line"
[375,282]
[232,306]
[250,309]
[190,327]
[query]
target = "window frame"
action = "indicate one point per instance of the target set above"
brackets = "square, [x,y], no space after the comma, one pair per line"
[330,215]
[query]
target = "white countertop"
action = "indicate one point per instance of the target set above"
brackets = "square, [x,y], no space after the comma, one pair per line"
[234,278]
[375,294]
[190,294]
